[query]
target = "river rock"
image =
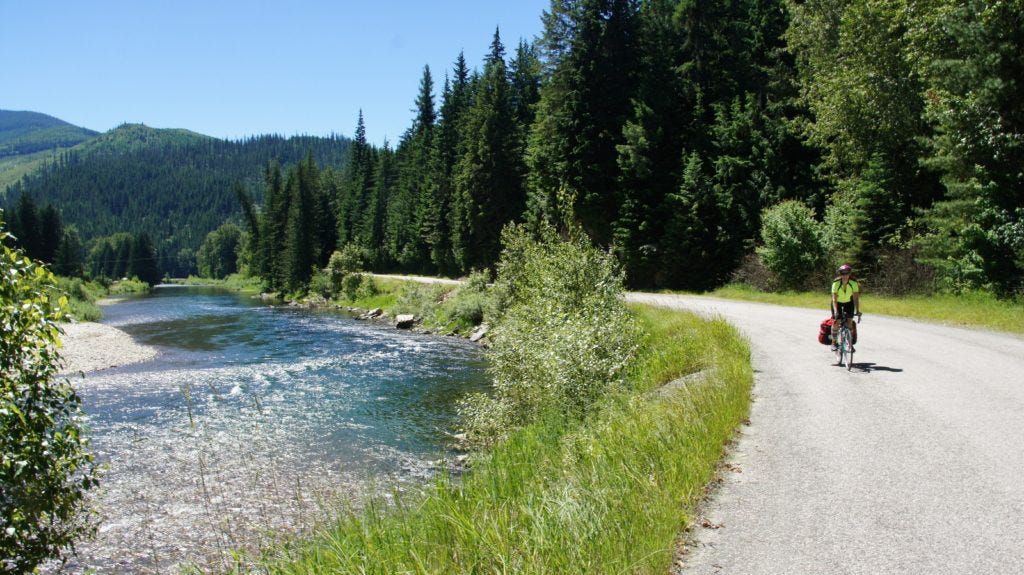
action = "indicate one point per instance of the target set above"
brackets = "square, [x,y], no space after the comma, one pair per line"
[480,332]
[405,321]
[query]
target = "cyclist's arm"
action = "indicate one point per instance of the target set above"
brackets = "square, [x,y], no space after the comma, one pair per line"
[835,305]
[856,302]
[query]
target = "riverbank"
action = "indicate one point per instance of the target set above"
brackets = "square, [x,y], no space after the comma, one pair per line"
[608,494]
[90,346]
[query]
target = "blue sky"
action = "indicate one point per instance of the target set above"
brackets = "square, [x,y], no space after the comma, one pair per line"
[232,68]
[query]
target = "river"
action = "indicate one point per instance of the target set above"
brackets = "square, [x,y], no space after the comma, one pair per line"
[256,421]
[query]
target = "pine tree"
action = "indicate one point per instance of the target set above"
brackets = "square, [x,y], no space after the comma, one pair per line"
[699,248]
[970,56]
[120,267]
[270,263]
[375,216]
[354,189]
[653,140]
[51,232]
[142,260]
[300,246]
[447,149]
[593,49]
[405,243]
[69,259]
[489,182]
[25,226]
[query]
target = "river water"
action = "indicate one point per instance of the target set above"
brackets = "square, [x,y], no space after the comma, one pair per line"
[257,421]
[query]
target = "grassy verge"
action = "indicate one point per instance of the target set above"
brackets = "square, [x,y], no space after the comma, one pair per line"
[607,495]
[969,310]
[234,282]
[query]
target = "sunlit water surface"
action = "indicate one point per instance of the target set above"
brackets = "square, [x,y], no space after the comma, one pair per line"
[256,421]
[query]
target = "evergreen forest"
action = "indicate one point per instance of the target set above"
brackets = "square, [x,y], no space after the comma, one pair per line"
[680,135]
[697,141]
[175,186]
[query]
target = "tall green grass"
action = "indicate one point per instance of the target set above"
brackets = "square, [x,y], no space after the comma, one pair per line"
[610,494]
[976,309]
[82,296]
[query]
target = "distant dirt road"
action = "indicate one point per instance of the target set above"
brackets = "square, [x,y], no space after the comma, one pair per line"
[911,463]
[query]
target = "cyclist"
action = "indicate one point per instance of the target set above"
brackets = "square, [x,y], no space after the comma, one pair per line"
[845,298]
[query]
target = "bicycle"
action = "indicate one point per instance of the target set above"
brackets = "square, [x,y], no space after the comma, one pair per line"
[844,340]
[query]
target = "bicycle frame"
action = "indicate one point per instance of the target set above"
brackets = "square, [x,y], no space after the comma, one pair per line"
[844,342]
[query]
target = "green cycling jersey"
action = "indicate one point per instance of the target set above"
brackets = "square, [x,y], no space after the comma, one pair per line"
[844,293]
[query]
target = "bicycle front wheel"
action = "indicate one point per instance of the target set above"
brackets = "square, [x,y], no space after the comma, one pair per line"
[846,349]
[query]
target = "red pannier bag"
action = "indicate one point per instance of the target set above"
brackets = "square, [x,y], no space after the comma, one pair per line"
[825,332]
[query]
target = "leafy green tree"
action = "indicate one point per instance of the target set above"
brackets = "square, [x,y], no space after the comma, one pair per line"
[793,243]
[865,94]
[45,467]
[218,255]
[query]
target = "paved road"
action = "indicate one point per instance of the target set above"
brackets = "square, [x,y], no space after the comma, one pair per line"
[911,463]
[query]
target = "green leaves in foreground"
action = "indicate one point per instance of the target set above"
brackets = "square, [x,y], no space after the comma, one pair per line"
[44,468]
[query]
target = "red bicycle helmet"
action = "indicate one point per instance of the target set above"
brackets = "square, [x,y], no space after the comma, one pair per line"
[845,268]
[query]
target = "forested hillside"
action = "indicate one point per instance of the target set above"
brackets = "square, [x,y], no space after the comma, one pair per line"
[28,139]
[23,133]
[175,185]
[684,135]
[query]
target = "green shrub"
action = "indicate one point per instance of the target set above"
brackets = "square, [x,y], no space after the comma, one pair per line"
[421,300]
[562,342]
[469,305]
[320,284]
[367,289]
[348,260]
[45,469]
[132,285]
[793,243]
[350,285]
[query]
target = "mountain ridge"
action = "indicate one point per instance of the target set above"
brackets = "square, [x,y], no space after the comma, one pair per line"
[26,132]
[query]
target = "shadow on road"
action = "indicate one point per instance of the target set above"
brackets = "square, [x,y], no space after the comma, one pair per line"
[876,367]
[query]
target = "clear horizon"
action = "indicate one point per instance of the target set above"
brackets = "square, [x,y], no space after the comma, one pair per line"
[236,69]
